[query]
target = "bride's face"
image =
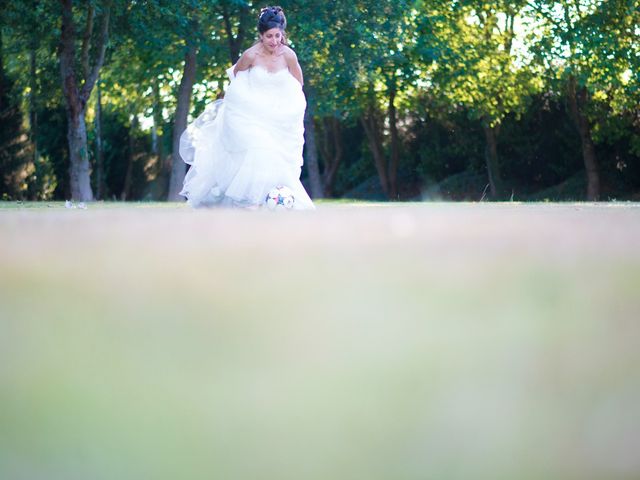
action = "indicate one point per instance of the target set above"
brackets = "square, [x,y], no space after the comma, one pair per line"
[271,39]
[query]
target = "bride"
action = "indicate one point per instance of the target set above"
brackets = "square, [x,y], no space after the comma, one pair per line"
[250,142]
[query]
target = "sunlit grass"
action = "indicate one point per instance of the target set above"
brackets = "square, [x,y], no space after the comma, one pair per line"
[44,205]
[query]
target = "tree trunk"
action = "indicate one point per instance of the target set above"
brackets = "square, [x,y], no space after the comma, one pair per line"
[332,152]
[79,168]
[2,107]
[156,123]
[235,41]
[372,131]
[577,101]
[162,169]
[178,167]
[492,160]
[311,162]
[33,100]
[128,178]
[100,180]
[395,145]
[76,97]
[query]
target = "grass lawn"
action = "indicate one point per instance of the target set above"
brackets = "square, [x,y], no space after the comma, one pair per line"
[360,341]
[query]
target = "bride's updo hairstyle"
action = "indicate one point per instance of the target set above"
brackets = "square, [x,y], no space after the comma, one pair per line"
[271,17]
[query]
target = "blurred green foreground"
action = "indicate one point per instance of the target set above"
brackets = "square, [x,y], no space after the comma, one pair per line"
[391,342]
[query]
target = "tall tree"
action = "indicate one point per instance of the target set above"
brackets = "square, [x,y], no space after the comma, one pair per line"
[27,26]
[100,172]
[353,57]
[11,135]
[77,85]
[385,73]
[587,46]
[236,17]
[469,48]
[196,38]
[311,149]
[178,167]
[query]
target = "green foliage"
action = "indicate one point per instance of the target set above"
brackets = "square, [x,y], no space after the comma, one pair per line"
[471,58]
[449,67]
[13,157]
[596,42]
[442,146]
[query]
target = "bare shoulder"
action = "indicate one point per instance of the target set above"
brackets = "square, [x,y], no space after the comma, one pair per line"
[247,59]
[288,53]
[252,51]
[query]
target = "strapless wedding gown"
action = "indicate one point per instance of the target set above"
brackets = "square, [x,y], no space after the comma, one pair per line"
[241,147]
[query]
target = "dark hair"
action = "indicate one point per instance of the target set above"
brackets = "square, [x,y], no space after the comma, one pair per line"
[271,17]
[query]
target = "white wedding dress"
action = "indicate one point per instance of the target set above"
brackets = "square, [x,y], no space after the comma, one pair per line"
[241,147]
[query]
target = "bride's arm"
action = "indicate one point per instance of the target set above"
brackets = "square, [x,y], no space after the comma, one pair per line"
[246,60]
[293,65]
